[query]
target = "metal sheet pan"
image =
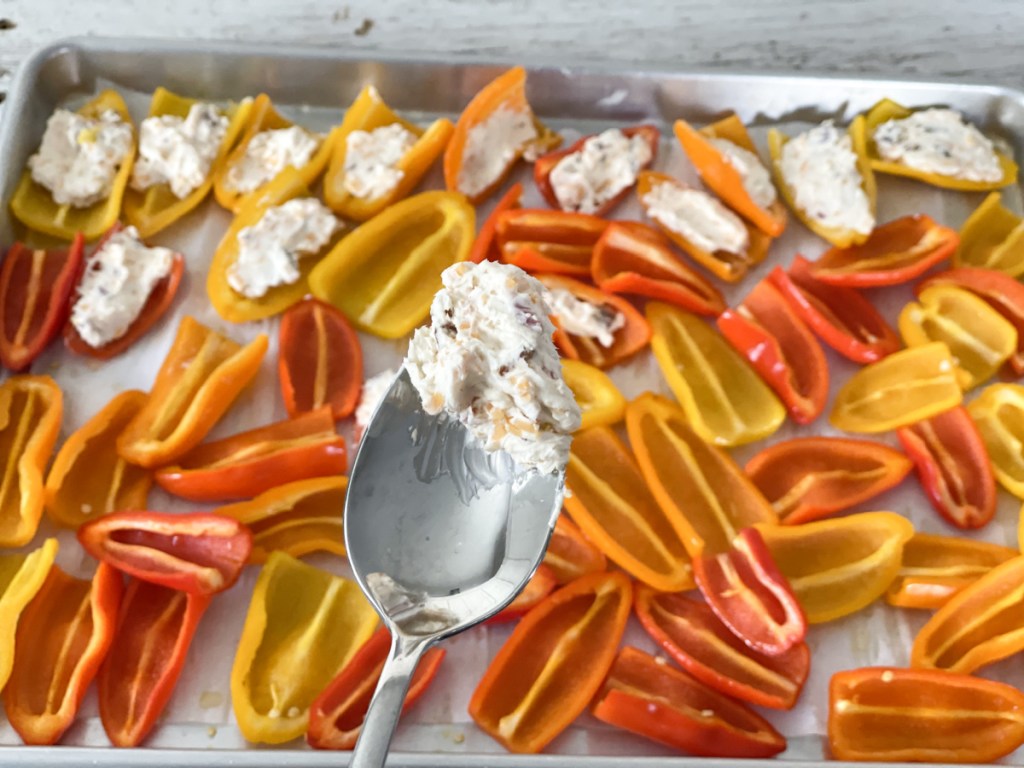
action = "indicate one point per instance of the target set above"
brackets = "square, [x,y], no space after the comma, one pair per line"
[312,86]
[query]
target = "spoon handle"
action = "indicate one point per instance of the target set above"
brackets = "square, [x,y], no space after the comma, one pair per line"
[379,726]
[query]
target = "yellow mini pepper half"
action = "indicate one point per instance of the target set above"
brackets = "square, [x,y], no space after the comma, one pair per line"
[999,413]
[384,275]
[33,205]
[993,238]
[368,113]
[596,394]
[21,576]
[303,625]
[158,207]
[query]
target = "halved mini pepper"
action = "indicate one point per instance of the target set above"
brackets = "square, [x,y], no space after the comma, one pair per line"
[302,628]
[263,117]
[725,401]
[156,306]
[155,627]
[842,317]
[979,625]
[63,637]
[89,478]
[808,478]
[31,408]
[696,639]
[336,715]
[730,267]
[998,413]
[198,381]
[993,238]
[627,340]
[836,567]
[295,518]
[704,494]
[915,715]
[953,467]
[899,390]
[368,113]
[158,207]
[666,705]
[781,348]
[609,500]
[384,275]
[570,554]
[599,399]
[635,258]
[721,176]
[539,240]
[35,291]
[538,587]
[34,206]
[934,568]
[841,238]
[553,663]
[21,578]
[486,246]
[199,553]
[886,110]
[545,164]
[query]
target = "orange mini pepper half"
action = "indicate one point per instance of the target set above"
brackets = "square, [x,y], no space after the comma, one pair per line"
[993,238]
[198,553]
[599,399]
[198,381]
[539,240]
[634,258]
[63,637]
[553,663]
[808,478]
[570,554]
[934,568]
[21,578]
[486,246]
[539,586]
[666,705]
[914,715]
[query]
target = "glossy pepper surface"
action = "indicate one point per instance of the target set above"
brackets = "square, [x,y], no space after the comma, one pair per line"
[21,578]
[992,238]
[486,246]
[553,663]
[302,627]
[998,413]
[570,554]
[599,399]
[539,240]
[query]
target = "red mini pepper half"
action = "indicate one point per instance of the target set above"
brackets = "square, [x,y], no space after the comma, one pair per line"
[894,253]
[842,317]
[199,553]
[632,257]
[336,716]
[539,240]
[697,640]
[670,707]
[35,289]
[953,466]
[486,246]
[155,627]
[766,330]
[748,592]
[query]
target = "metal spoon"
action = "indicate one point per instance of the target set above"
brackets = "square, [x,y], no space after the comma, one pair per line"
[441,535]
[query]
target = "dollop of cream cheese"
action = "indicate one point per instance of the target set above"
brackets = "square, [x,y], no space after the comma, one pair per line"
[583,318]
[487,359]
[939,141]
[820,167]
[374,390]
[698,217]
[757,181]
[371,157]
[79,156]
[270,250]
[179,151]
[493,144]
[605,164]
[118,279]
[270,152]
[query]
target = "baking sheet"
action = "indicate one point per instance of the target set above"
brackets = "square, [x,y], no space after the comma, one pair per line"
[309,86]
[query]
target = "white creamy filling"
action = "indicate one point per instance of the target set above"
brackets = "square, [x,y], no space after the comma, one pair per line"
[374,390]
[270,152]
[939,141]
[698,217]
[757,181]
[270,250]
[371,157]
[118,279]
[79,157]
[491,146]
[179,152]
[487,359]
[582,318]
[605,165]
[820,167]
